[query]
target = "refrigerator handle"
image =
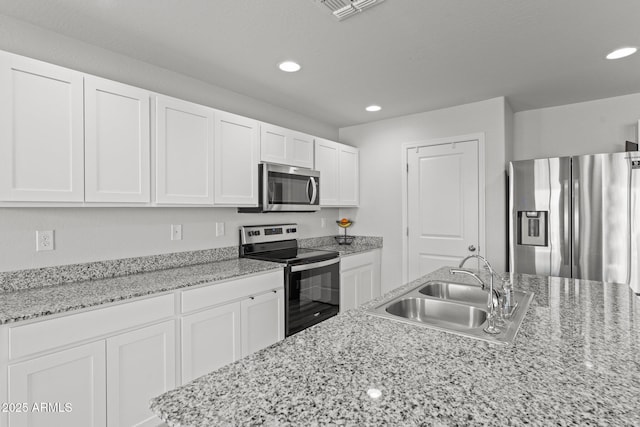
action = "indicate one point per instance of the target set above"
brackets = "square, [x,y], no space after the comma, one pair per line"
[575,207]
[567,223]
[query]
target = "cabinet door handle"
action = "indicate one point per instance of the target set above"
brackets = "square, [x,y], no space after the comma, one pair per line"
[472,248]
[252,297]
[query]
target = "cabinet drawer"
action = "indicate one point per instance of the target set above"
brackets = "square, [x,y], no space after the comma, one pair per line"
[49,334]
[358,260]
[220,293]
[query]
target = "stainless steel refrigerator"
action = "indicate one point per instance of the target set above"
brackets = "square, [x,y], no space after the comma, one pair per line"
[576,217]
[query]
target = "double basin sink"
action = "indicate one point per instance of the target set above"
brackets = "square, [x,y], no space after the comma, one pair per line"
[453,307]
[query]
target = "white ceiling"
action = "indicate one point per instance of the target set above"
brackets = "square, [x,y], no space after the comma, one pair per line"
[406,55]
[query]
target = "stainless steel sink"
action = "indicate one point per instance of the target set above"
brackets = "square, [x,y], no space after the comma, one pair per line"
[455,292]
[453,307]
[438,312]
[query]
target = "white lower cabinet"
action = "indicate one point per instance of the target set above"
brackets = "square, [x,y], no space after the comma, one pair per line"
[262,321]
[359,279]
[230,320]
[66,388]
[141,364]
[210,340]
[101,367]
[116,359]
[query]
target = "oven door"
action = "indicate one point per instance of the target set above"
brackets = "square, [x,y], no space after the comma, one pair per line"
[287,188]
[312,294]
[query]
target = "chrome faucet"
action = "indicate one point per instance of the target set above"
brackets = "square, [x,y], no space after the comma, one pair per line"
[494,296]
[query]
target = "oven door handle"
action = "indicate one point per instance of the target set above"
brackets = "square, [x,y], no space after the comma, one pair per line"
[304,267]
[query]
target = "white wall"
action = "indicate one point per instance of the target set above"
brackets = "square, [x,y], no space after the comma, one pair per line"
[380,211]
[91,234]
[600,126]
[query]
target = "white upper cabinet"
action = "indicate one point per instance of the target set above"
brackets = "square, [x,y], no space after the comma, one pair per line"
[339,173]
[236,160]
[116,142]
[285,146]
[301,150]
[184,152]
[327,155]
[41,131]
[349,175]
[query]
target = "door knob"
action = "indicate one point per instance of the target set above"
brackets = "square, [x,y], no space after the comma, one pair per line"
[472,248]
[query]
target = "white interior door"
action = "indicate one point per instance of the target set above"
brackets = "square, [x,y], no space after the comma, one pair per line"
[442,205]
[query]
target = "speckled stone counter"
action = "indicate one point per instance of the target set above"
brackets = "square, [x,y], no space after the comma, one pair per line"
[359,244]
[31,303]
[575,361]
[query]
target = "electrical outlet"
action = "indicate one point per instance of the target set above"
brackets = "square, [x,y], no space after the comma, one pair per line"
[45,241]
[219,229]
[323,222]
[176,231]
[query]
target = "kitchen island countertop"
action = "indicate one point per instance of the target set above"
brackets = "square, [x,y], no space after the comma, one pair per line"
[575,360]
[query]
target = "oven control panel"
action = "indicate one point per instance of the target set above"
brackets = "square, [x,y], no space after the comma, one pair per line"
[267,233]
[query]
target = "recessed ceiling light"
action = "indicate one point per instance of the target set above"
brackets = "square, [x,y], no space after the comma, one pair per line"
[622,52]
[289,66]
[373,108]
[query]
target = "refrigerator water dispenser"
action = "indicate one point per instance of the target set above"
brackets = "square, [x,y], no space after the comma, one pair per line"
[532,228]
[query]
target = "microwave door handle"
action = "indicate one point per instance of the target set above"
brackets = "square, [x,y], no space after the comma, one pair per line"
[314,187]
[269,196]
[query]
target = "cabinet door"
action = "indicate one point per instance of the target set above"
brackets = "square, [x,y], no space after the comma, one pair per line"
[236,160]
[184,152]
[285,146]
[262,321]
[326,161]
[140,365]
[364,285]
[348,287]
[349,181]
[116,142]
[41,137]
[273,144]
[210,340]
[359,279]
[72,382]
[300,152]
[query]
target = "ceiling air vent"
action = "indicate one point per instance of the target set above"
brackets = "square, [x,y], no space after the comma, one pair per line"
[343,9]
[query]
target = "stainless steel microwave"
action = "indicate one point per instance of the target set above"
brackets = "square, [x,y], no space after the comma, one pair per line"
[287,189]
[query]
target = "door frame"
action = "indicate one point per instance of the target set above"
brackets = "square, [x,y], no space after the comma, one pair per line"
[480,137]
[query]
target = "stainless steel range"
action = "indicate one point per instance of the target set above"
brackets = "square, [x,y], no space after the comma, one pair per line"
[311,276]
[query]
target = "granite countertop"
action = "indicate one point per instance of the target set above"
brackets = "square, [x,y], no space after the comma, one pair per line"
[359,244]
[575,360]
[31,303]
[134,277]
